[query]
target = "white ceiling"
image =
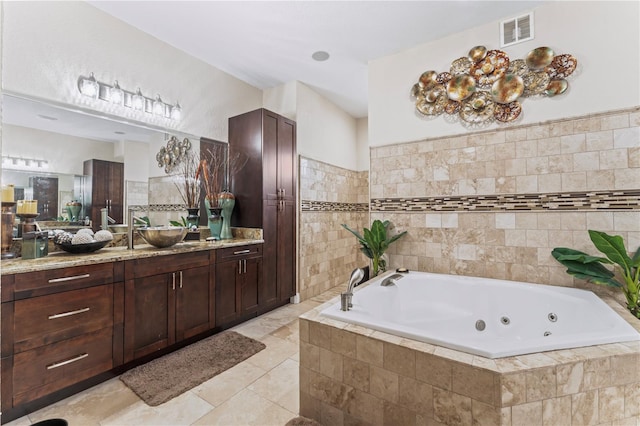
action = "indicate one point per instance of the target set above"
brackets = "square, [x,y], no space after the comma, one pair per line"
[269,43]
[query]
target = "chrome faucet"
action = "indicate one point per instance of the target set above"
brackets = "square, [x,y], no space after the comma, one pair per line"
[130,222]
[105,219]
[391,280]
[347,297]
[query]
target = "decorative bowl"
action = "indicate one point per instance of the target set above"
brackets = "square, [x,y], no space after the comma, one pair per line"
[163,236]
[82,248]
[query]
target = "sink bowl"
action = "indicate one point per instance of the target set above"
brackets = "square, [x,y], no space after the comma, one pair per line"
[163,236]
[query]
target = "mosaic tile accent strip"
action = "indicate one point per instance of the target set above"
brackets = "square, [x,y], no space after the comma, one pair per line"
[328,206]
[159,208]
[591,200]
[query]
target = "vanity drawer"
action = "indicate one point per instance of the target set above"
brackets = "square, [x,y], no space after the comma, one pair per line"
[48,319]
[238,252]
[40,371]
[40,283]
[165,264]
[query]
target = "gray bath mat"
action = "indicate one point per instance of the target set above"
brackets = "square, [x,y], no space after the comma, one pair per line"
[162,379]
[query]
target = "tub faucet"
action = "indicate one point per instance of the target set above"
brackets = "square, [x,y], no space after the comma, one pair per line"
[130,222]
[391,280]
[346,298]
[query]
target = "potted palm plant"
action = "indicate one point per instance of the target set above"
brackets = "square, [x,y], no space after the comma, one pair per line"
[374,242]
[591,268]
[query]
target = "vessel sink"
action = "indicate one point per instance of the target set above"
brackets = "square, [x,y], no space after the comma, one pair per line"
[163,236]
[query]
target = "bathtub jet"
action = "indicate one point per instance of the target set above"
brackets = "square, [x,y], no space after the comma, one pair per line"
[487,317]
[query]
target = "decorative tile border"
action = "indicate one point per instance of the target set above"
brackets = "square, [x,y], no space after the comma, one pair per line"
[328,206]
[571,201]
[159,208]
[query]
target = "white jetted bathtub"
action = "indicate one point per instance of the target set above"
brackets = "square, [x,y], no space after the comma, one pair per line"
[482,316]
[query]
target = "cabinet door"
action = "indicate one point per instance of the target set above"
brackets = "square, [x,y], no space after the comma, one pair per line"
[249,278]
[227,298]
[286,247]
[286,159]
[268,290]
[194,302]
[150,315]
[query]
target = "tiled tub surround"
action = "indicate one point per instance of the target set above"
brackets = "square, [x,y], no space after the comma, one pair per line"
[330,196]
[354,375]
[495,203]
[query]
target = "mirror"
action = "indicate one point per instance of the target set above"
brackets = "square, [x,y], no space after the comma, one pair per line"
[45,146]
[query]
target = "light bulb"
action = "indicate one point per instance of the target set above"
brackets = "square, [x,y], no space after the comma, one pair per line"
[137,101]
[176,112]
[89,86]
[158,106]
[116,94]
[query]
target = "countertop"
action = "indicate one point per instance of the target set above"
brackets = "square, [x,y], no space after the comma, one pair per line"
[113,254]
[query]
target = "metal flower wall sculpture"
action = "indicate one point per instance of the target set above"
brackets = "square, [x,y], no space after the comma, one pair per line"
[171,155]
[486,85]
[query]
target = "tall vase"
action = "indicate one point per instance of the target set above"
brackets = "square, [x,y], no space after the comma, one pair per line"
[227,202]
[215,222]
[193,218]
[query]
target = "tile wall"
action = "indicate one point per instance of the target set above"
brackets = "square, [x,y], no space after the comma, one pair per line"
[495,203]
[329,197]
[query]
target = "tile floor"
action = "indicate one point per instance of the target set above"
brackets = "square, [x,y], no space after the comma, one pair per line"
[262,390]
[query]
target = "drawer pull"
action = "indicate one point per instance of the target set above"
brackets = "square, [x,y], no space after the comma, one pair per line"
[69,361]
[75,277]
[242,251]
[67,314]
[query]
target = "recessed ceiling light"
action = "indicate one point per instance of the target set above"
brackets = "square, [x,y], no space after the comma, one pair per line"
[320,55]
[47,117]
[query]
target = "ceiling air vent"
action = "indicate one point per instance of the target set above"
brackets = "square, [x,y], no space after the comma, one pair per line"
[516,30]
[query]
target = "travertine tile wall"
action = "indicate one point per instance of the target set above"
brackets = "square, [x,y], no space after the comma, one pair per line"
[329,196]
[581,159]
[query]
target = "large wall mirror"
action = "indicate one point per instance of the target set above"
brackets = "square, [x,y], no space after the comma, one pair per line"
[45,147]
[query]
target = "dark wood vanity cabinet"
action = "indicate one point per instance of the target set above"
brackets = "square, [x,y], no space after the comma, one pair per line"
[167,301]
[59,327]
[105,187]
[266,196]
[238,278]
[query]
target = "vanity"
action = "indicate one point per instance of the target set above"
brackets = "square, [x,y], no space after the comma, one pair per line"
[71,321]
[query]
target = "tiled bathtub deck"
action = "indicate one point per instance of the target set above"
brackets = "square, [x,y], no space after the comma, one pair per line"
[354,375]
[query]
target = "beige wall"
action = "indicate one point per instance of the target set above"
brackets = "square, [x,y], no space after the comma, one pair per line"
[604,36]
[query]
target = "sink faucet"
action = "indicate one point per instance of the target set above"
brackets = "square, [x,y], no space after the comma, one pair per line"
[346,298]
[105,219]
[130,222]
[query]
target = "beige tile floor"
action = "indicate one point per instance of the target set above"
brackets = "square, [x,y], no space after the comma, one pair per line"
[262,390]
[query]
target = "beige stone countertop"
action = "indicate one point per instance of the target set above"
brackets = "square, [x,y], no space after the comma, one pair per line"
[114,254]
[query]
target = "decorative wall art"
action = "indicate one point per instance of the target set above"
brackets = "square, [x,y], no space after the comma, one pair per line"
[486,85]
[171,155]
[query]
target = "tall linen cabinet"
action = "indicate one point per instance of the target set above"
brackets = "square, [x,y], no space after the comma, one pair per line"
[266,196]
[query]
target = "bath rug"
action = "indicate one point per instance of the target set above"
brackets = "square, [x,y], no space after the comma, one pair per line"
[302,421]
[164,378]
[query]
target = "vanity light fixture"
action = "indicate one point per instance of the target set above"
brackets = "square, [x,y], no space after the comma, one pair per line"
[92,88]
[11,162]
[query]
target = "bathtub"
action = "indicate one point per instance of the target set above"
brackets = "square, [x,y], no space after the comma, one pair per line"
[482,316]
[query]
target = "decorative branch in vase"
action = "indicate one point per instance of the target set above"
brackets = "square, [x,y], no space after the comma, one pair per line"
[188,182]
[213,169]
